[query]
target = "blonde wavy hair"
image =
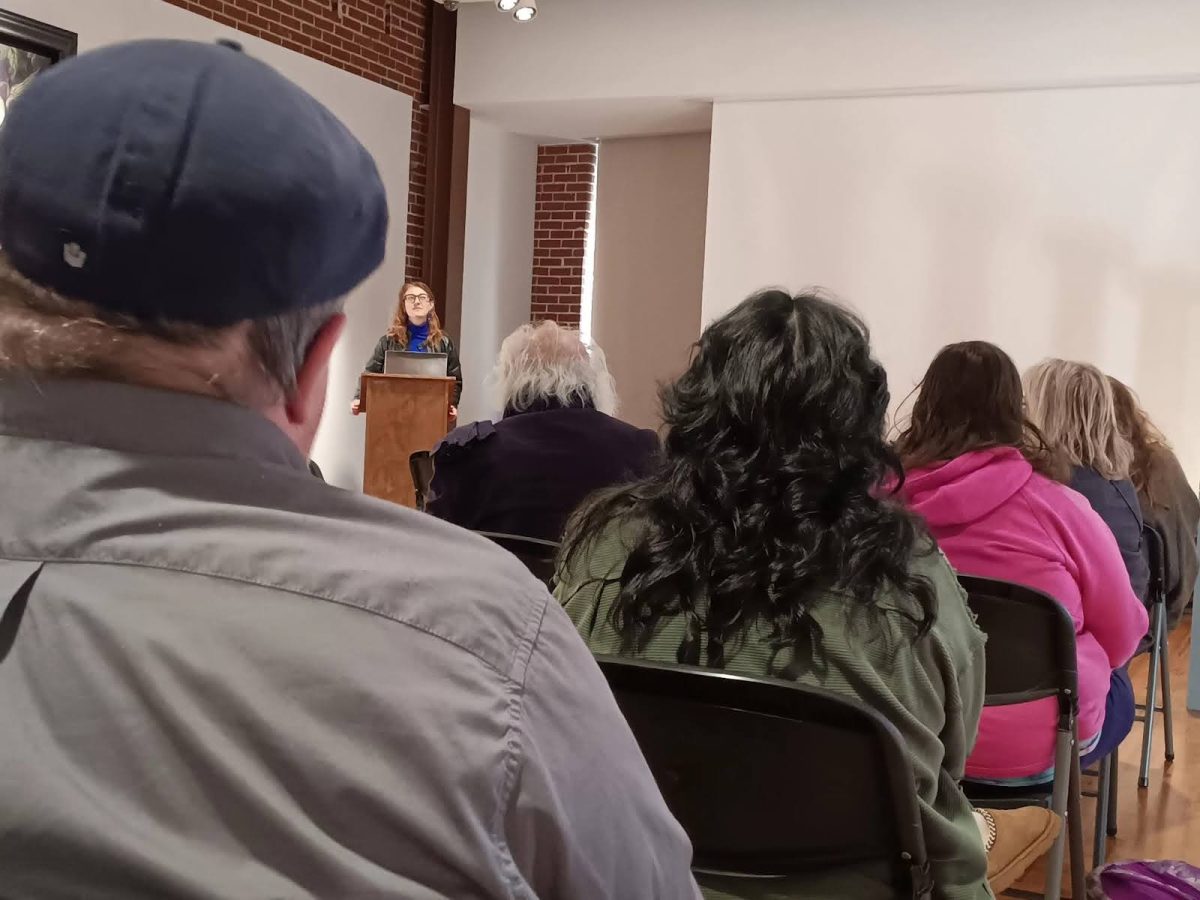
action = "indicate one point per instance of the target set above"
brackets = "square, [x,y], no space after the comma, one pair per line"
[1072,403]
[545,362]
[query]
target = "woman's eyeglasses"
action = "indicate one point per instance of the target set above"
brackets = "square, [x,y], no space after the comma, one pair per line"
[417,299]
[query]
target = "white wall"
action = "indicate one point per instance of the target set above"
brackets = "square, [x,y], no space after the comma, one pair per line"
[1057,222]
[497,254]
[379,117]
[651,198]
[582,57]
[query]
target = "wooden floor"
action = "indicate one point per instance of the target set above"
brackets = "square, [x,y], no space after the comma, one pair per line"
[1163,821]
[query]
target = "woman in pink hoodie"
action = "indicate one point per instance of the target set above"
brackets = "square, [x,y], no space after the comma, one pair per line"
[991,492]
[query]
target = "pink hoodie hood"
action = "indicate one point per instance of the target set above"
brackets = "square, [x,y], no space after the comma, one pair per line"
[967,488]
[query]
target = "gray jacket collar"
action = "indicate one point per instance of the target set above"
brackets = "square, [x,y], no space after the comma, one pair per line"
[139,420]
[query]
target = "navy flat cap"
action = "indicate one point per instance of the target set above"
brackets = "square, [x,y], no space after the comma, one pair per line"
[171,180]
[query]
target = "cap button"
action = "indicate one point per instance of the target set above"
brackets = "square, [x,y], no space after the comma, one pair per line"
[230,43]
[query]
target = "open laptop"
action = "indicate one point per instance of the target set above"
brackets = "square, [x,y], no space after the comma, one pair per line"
[406,362]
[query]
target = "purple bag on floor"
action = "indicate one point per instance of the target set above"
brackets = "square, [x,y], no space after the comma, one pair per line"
[1149,880]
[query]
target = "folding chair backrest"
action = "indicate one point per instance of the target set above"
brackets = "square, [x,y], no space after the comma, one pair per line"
[420,465]
[771,779]
[537,555]
[1153,541]
[1030,643]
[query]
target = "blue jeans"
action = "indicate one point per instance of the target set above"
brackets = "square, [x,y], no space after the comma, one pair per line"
[1119,713]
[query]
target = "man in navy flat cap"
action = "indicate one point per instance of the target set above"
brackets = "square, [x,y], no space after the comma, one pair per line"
[220,677]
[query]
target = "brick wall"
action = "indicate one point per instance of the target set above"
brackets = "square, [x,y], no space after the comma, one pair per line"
[566,175]
[381,40]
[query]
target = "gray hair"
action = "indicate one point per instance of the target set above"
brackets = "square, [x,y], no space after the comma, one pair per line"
[1072,403]
[254,363]
[545,362]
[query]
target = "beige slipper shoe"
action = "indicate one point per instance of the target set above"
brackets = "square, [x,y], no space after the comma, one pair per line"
[1017,839]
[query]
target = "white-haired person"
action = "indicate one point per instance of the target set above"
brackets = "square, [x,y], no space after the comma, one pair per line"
[556,442]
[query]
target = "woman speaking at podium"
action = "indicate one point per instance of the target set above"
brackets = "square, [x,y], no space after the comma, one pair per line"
[416,328]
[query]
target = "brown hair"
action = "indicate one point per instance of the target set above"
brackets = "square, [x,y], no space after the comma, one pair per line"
[399,328]
[1142,434]
[971,399]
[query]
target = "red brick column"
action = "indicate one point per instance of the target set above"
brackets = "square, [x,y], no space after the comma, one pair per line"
[566,176]
[380,40]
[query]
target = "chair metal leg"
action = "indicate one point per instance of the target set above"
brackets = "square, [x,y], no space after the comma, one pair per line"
[1075,828]
[1168,719]
[1064,748]
[1103,803]
[1151,696]
[1114,791]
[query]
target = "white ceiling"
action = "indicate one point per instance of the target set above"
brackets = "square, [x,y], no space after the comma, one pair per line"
[614,68]
[592,120]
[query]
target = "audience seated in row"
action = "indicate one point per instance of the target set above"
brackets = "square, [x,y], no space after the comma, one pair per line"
[1166,497]
[204,644]
[219,676]
[762,546]
[991,490]
[556,443]
[1072,405]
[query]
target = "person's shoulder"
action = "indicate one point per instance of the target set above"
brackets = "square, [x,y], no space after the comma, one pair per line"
[634,433]
[1164,467]
[405,568]
[1162,459]
[465,439]
[600,555]
[1055,495]
[1170,484]
[1064,512]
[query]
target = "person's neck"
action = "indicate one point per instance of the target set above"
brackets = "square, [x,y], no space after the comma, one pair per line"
[418,326]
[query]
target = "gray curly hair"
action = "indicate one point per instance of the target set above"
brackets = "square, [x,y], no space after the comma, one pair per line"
[545,362]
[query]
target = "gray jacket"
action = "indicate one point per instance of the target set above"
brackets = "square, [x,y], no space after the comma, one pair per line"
[221,677]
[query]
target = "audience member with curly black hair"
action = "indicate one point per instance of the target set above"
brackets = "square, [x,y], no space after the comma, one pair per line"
[763,546]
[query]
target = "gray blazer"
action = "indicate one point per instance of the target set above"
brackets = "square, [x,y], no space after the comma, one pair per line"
[221,677]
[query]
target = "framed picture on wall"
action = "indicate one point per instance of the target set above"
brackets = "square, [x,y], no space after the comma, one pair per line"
[27,47]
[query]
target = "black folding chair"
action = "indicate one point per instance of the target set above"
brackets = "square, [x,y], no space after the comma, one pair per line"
[1030,655]
[420,465]
[771,779]
[1160,664]
[537,555]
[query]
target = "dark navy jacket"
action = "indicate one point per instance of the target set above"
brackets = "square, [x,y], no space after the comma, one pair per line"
[1117,504]
[528,472]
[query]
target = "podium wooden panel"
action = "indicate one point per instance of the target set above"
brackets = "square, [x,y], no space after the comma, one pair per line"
[405,413]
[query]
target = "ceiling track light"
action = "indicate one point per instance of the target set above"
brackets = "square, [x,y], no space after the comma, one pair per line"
[507,5]
[525,10]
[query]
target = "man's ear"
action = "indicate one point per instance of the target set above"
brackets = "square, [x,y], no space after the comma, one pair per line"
[312,377]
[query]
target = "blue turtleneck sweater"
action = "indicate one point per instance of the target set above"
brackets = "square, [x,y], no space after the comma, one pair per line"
[417,336]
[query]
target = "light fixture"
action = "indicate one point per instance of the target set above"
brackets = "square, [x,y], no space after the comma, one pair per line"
[526,11]
[507,5]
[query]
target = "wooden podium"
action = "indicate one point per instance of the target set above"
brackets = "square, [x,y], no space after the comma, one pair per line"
[405,413]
